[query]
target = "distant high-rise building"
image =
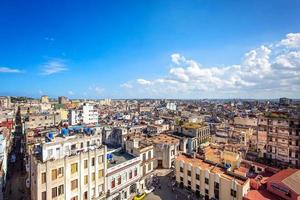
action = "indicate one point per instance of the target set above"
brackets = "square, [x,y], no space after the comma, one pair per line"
[63,100]
[5,102]
[285,101]
[45,99]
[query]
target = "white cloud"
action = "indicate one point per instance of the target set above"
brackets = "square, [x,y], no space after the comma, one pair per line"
[9,70]
[70,92]
[126,85]
[267,71]
[143,82]
[54,66]
[51,39]
[292,40]
[96,89]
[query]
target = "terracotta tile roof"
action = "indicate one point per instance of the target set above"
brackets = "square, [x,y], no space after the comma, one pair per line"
[260,195]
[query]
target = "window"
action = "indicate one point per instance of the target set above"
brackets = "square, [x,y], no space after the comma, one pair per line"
[93,161]
[197,176]
[74,168]
[60,190]
[85,195]
[130,174]
[144,156]
[44,177]
[60,171]
[85,164]
[44,195]
[206,191]
[149,167]
[119,180]
[233,193]
[54,174]
[113,183]
[149,155]
[181,169]
[181,179]
[189,173]
[54,192]
[100,173]
[100,159]
[74,184]
[189,183]
[93,176]
[216,185]
[86,179]
[206,181]
[135,172]
[100,189]
[74,198]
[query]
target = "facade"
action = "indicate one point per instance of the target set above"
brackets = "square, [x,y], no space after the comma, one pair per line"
[139,147]
[123,174]
[208,180]
[196,134]
[283,139]
[5,102]
[41,120]
[166,148]
[86,114]
[62,100]
[71,167]
[44,99]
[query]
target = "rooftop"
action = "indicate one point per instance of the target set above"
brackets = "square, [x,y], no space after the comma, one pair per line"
[163,138]
[214,168]
[118,157]
[191,125]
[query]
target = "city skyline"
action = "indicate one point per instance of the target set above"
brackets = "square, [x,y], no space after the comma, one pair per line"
[169,49]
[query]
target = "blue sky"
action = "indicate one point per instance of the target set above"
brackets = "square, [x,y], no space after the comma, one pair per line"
[136,49]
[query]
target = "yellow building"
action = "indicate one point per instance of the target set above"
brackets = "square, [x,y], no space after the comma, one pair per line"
[210,180]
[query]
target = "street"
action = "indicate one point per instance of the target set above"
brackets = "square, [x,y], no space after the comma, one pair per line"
[166,192]
[15,186]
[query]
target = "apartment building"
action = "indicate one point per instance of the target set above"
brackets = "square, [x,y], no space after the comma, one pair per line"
[283,138]
[67,167]
[87,114]
[144,149]
[44,99]
[123,174]
[62,100]
[210,180]
[196,133]
[41,120]
[166,148]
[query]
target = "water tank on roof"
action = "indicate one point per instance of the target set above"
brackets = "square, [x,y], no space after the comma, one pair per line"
[109,156]
[65,131]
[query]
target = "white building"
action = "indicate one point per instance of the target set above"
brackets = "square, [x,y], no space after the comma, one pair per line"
[123,174]
[171,106]
[71,167]
[87,115]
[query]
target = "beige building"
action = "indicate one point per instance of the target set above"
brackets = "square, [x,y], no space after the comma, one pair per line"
[138,146]
[41,120]
[282,143]
[44,99]
[71,167]
[210,180]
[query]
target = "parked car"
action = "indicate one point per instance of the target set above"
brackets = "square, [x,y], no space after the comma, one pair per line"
[140,196]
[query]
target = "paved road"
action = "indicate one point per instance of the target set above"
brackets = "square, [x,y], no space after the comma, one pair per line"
[166,193]
[15,187]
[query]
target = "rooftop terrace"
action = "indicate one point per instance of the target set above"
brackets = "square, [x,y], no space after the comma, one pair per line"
[118,157]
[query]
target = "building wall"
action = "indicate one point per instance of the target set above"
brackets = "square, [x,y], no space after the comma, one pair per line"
[96,186]
[225,184]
